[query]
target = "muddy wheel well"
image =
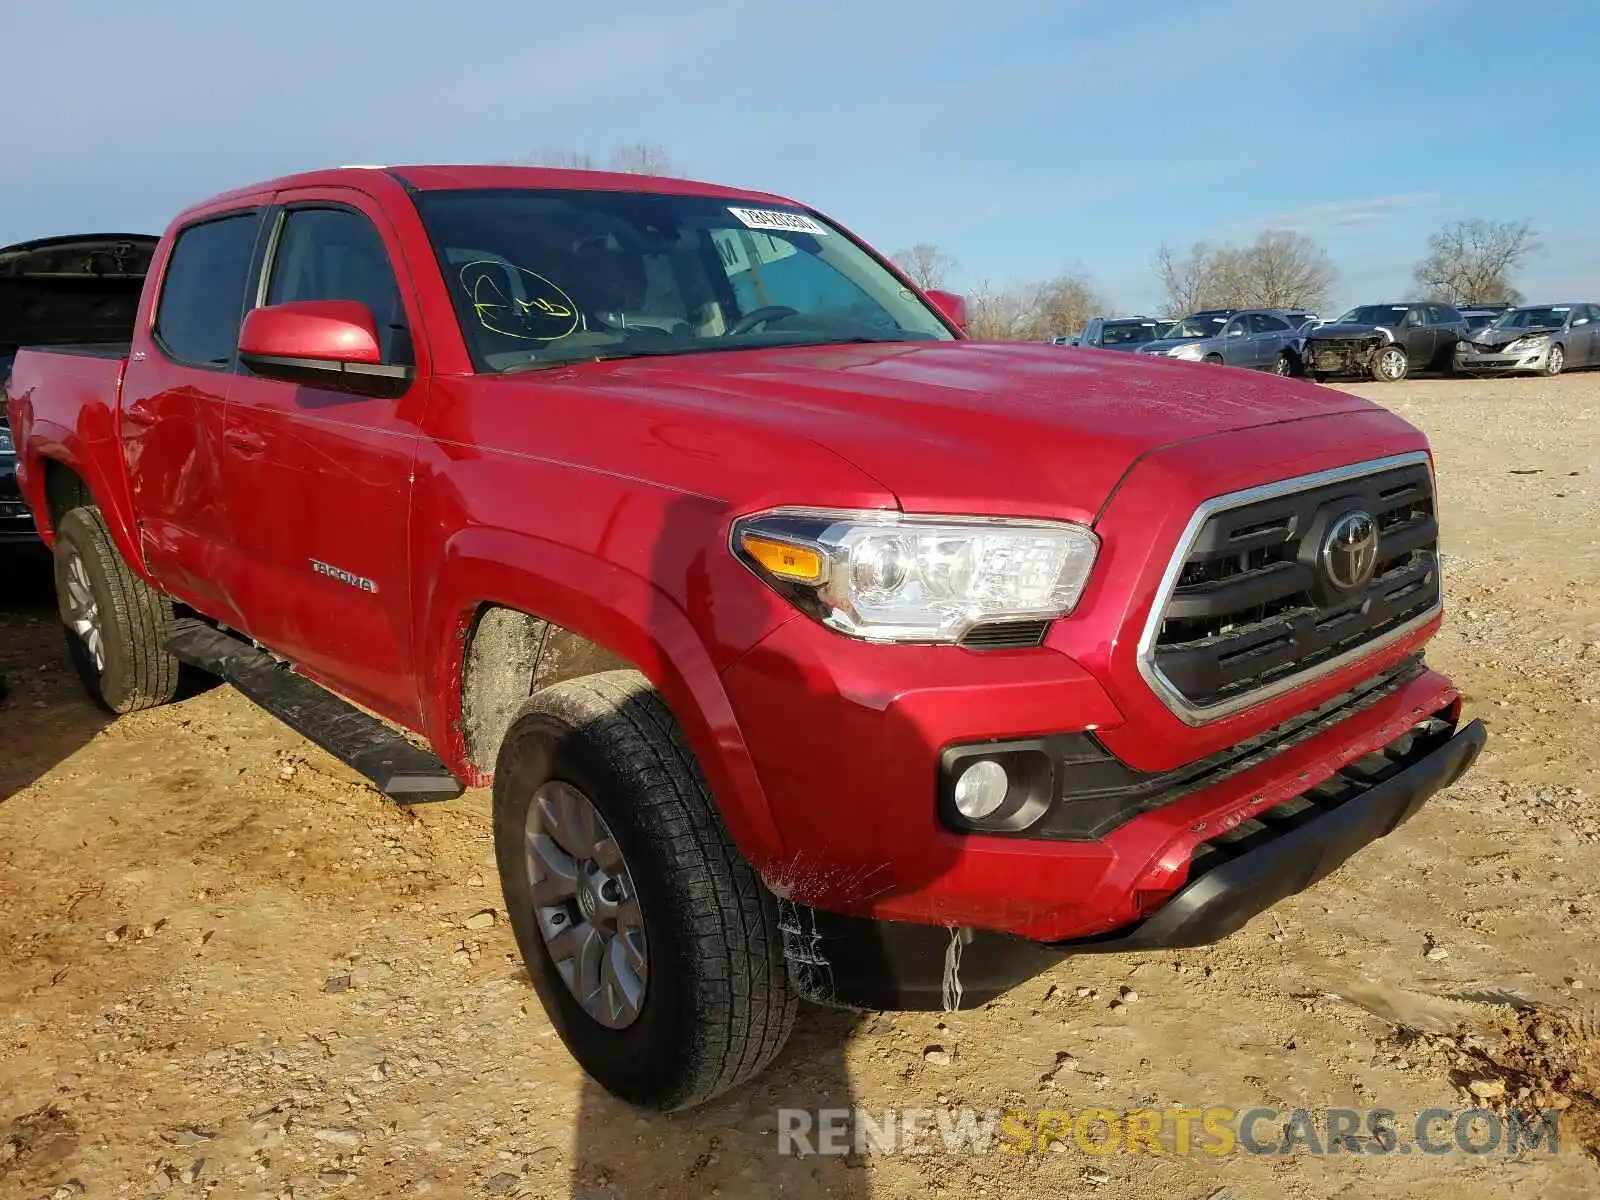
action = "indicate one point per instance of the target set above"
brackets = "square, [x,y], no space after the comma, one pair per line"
[510,655]
[64,491]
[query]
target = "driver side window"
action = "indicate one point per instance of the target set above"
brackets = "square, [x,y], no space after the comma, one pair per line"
[336,254]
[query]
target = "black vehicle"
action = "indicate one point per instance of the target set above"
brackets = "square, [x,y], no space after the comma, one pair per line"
[82,288]
[1386,342]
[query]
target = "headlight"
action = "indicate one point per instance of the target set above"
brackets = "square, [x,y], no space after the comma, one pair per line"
[887,576]
[1524,344]
[1190,351]
[8,448]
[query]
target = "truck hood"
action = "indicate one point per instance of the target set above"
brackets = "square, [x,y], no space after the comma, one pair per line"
[1000,428]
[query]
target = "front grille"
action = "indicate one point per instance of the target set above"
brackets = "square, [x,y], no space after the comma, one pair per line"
[1249,607]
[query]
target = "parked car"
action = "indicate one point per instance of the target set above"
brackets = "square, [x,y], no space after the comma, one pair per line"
[1119,333]
[1261,339]
[60,290]
[1478,318]
[1385,341]
[1066,339]
[1544,338]
[679,516]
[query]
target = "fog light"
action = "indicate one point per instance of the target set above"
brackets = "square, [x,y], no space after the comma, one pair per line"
[981,789]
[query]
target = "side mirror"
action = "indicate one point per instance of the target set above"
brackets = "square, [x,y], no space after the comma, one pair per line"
[320,343]
[951,306]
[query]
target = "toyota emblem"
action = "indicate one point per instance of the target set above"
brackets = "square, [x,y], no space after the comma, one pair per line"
[1350,551]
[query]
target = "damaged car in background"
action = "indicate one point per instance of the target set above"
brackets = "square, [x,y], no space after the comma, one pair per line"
[1385,342]
[1544,338]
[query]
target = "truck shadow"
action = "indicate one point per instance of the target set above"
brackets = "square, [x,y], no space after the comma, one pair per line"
[45,717]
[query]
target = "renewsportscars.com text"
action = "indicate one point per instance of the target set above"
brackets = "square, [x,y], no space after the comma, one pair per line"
[1179,1131]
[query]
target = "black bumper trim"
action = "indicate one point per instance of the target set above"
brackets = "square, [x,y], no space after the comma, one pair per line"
[860,963]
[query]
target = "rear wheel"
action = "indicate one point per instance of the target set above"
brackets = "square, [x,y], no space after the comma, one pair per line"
[1556,360]
[1391,364]
[116,625]
[653,945]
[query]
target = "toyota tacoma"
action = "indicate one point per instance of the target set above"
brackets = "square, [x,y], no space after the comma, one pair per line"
[812,649]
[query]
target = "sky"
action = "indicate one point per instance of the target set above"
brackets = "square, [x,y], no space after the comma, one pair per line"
[1023,137]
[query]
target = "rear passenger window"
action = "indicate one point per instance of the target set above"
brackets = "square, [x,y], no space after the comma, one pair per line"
[336,254]
[202,290]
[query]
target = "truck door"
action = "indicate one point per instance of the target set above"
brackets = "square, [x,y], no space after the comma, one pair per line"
[174,394]
[318,481]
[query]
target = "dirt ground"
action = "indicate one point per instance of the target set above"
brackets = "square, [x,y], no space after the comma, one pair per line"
[228,968]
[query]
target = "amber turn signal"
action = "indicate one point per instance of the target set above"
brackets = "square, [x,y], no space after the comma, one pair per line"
[784,560]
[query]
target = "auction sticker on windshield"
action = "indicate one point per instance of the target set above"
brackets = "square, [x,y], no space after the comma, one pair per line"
[766,218]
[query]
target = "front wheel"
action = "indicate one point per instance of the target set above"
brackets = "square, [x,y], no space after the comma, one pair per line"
[654,947]
[116,625]
[1214,359]
[1283,364]
[1555,361]
[1391,364]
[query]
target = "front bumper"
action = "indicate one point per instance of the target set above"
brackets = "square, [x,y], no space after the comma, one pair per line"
[861,963]
[1535,360]
[1341,356]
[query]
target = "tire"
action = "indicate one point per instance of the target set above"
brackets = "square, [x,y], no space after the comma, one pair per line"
[116,625]
[1555,361]
[1214,359]
[1391,364]
[696,930]
[1282,365]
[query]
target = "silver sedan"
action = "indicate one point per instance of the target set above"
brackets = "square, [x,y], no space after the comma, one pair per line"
[1542,338]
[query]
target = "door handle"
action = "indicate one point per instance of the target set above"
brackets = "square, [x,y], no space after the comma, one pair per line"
[244,441]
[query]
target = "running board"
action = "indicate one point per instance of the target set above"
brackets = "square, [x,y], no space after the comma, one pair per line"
[405,773]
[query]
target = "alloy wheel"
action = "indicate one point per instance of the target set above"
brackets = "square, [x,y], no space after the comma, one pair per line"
[1392,363]
[83,612]
[585,904]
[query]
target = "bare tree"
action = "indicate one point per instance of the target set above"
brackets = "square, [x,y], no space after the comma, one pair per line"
[999,313]
[1063,305]
[1195,282]
[641,158]
[1474,261]
[633,158]
[556,156]
[926,264]
[1033,310]
[1281,269]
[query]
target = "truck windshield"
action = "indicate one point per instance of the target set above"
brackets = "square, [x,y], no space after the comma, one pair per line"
[541,277]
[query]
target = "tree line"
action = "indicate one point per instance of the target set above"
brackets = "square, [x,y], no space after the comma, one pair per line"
[1467,262]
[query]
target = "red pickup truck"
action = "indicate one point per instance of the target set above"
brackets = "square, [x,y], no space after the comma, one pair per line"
[812,648]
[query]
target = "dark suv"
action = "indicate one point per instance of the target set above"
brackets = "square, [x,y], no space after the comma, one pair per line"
[1385,341]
